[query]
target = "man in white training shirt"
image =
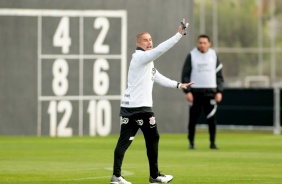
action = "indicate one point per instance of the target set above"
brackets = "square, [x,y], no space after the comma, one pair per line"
[203,66]
[136,105]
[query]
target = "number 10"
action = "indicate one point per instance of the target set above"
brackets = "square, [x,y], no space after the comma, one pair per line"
[100,113]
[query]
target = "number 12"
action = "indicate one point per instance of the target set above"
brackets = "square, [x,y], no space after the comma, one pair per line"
[61,130]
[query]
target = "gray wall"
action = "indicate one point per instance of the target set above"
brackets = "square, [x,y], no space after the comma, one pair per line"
[28,103]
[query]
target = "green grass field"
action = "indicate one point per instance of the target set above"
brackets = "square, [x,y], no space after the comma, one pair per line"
[244,157]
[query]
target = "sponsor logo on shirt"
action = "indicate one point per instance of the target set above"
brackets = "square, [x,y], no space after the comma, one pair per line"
[203,67]
[125,102]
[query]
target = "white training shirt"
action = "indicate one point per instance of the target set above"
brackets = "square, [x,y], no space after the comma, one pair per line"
[142,74]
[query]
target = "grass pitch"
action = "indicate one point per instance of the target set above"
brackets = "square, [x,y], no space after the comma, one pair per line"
[243,157]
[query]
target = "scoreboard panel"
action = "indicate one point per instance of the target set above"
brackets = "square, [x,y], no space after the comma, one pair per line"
[81,68]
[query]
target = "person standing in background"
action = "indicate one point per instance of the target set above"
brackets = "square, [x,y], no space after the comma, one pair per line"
[203,66]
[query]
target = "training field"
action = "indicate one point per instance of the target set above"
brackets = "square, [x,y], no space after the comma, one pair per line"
[244,157]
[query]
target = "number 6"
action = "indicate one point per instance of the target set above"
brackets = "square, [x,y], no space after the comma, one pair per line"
[100,78]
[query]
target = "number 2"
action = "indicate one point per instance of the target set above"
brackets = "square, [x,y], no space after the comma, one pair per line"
[99,47]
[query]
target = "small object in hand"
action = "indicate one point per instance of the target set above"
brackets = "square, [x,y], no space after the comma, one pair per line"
[184,27]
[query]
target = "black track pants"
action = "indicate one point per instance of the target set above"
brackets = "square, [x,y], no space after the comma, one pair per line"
[208,104]
[129,127]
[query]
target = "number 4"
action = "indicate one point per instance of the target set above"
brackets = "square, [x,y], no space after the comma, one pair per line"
[61,37]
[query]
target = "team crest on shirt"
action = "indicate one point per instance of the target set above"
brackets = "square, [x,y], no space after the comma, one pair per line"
[153,73]
[139,122]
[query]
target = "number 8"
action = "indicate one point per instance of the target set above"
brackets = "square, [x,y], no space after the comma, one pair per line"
[60,82]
